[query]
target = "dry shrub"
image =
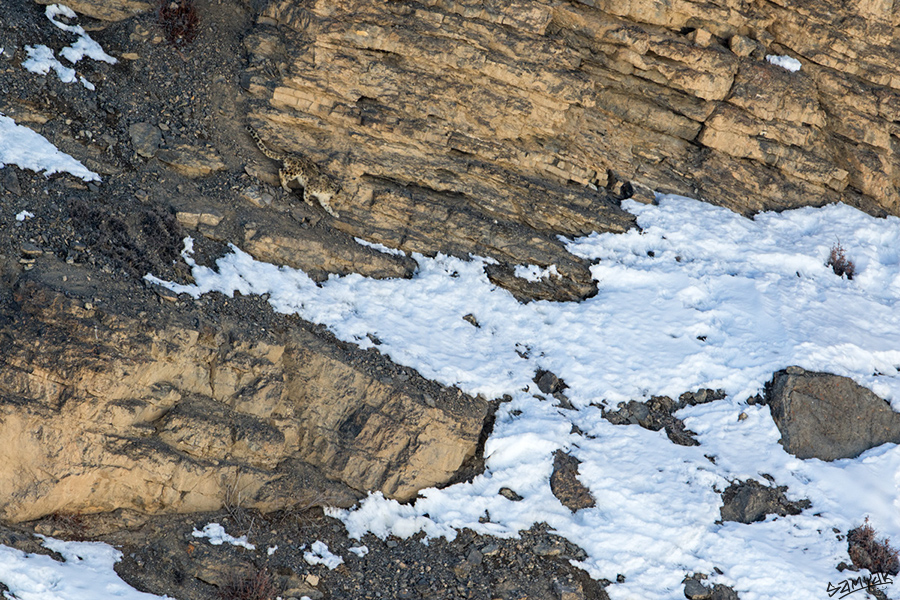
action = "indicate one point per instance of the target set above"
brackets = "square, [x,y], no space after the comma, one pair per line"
[839,263]
[179,20]
[256,586]
[70,526]
[866,552]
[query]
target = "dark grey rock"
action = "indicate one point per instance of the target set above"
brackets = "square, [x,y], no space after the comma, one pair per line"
[549,383]
[474,556]
[695,590]
[654,415]
[565,485]
[749,501]
[145,138]
[568,590]
[510,494]
[723,592]
[701,396]
[31,250]
[10,181]
[827,416]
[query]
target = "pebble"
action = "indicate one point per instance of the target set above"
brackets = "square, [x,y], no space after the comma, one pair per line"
[490,549]
[510,495]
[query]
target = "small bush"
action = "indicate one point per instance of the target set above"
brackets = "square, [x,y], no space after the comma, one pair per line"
[839,263]
[868,553]
[179,20]
[256,586]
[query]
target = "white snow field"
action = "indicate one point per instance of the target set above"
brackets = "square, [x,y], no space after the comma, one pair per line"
[86,574]
[27,149]
[700,297]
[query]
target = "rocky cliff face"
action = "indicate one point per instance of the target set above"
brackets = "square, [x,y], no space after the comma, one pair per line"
[512,123]
[106,408]
[463,127]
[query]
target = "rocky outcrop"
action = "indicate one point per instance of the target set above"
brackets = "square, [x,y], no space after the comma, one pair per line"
[505,125]
[107,10]
[103,409]
[459,127]
[828,417]
[453,126]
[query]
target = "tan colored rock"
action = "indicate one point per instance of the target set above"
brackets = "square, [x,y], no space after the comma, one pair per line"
[106,10]
[191,161]
[193,218]
[319,254]
[454,125]
[742,46]
[104,411]
[773,94]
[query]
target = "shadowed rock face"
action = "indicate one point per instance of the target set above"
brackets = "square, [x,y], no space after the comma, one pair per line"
[827,416]
[102,411]
[462,127]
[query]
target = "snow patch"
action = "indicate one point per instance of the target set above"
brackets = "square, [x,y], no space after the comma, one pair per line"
[27,149]
[24,215]
[41,59]
[534,273]
[84,45]
[379,247]
[785,62]
[217,536]
[320,555]
[87,573]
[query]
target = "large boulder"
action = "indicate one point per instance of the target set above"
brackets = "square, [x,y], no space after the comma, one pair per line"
[827,416]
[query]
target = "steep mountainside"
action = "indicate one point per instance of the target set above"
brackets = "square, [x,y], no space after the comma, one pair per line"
[491,128]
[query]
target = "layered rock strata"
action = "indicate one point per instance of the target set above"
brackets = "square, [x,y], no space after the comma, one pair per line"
[495,127]
[103,410]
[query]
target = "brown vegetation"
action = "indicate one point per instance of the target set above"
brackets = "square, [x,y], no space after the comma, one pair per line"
[839,263]
[867,552]
[255,586]
[179,20]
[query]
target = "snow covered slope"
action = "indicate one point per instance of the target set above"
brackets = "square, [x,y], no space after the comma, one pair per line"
[699,298]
